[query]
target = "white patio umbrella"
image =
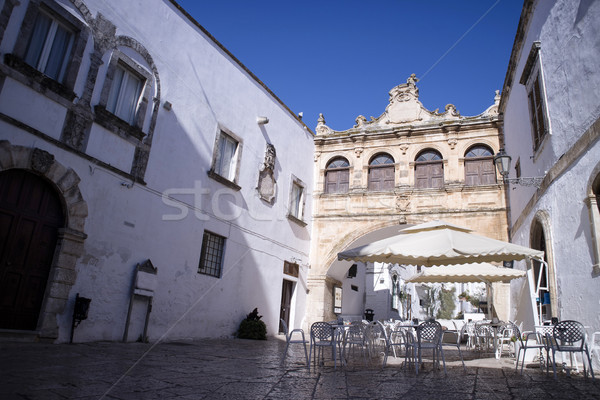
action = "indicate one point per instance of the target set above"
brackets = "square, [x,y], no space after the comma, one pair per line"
[438,243]
[463,273]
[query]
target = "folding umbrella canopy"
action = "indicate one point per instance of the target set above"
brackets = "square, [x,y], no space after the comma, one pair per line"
[479,272]
[438,243]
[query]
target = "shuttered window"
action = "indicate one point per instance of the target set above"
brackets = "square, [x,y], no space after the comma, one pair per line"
[381,173]
[337,176]
[479,166]
[429,170]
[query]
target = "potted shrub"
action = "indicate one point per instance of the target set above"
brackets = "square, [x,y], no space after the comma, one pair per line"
[252,327]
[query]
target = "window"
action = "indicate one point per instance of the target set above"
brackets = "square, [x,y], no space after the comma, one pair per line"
[211,256]
[536,112]
[479,166]
[518,167]
[125,92]
[381,173]
[297,201]
[532,78]
[49,46]
[429,170]
[337,176]
[352,271]
[226,157]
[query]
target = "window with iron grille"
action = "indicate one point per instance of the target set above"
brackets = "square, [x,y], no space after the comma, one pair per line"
[211,256]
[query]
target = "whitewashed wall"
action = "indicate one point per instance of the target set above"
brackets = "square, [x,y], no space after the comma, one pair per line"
[128,224]
[569,36]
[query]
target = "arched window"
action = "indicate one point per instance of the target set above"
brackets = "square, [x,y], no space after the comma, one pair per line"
[381,172]
[337,176]
[429,170]
[479,166]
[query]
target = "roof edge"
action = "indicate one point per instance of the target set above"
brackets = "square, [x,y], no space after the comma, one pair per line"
[235,59]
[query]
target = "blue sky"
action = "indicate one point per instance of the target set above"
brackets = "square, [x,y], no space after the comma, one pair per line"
[341,57]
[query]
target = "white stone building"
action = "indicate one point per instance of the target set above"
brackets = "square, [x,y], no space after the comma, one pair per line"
[132,139]
[551,108]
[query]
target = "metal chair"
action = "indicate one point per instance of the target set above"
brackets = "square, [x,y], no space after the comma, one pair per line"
[569,336]
[354,336]
[536,341]
[455,343]
[429,336]
[595,348]
[322,334]
[508,335]
[468,330]
[483,336]
[289,339]
[376,337]
[396,338]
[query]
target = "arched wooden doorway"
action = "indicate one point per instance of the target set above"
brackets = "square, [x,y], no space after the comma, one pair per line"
[31,213]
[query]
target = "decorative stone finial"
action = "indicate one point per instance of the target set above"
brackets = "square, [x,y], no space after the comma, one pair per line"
[412,80]
[360,121]
[322,129]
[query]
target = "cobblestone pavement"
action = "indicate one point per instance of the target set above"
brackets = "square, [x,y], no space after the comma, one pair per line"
[246,369]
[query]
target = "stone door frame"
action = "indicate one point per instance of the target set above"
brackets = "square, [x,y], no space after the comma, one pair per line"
[69,246]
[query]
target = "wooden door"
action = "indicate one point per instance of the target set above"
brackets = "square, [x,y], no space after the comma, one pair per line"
[286,300]
[30,215]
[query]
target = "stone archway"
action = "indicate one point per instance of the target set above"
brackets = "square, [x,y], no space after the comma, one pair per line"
[69,246]
[327,273]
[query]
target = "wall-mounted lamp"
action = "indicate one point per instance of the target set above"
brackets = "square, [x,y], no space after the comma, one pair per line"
[502,162]
[262,120]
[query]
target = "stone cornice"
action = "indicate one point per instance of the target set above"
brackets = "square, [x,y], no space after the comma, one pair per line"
[395,132]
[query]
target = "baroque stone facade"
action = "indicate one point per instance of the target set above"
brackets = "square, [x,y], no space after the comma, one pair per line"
[407,166]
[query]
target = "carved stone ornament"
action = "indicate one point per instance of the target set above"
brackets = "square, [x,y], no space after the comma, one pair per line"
[402,202]
[452,143]
[451,110]
[404,102]
[358,151]
[360,121]
[267,186]
[270,155]
[41,160]
[403,148]
[322,129]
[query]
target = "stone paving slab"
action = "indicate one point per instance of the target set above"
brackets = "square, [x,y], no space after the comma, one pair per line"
[246,369]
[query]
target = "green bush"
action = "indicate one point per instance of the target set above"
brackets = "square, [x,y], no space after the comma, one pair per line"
[252,327]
